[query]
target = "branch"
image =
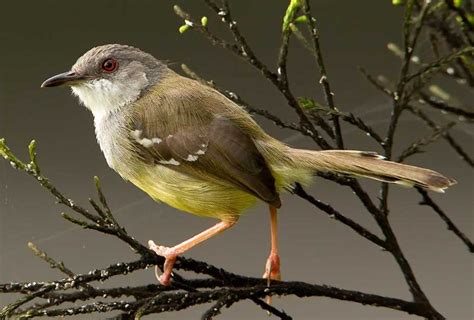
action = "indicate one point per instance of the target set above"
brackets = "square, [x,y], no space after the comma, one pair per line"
[351,119]
[235,286]
[467,24]
[441,105]
[451,141]
[428,201]
[329,95]
[243,50]
[436,65]
[221,287]
[241,102]
[334,214]
[416,146]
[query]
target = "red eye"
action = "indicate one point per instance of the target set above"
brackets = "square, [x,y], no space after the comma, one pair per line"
[109,65]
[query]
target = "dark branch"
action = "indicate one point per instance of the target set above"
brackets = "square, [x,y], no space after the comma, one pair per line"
[452,142]
[334,214]
[441,105]
[243,50]
[329,95]
[416,146]
[223,288]
[428,201]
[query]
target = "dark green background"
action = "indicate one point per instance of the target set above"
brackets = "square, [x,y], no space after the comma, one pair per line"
[42,38]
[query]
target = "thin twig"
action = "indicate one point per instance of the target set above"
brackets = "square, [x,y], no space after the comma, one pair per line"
[447,136]
[334,214]
[329,95]
[428,201]
[416,146]
[442,105]
[241,102]
[243,50]
[57,265]
[436,65]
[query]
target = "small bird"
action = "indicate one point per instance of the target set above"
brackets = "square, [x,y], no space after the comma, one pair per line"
[187,145]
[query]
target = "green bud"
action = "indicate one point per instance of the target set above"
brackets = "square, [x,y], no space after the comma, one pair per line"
[439,92]
[395,49]
[398,2]
[183,28]
[290,14]
[470,18]
[301,19]
[204,21]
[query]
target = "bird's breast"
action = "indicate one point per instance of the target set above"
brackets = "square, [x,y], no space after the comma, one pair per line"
[113,138]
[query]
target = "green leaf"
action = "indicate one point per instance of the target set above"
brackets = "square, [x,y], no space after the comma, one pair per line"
[32,150]
[204,21]
[3,148]
[398,2]
[457,3]
[307,103]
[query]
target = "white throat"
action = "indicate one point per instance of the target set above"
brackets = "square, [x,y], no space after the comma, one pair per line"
[104,96]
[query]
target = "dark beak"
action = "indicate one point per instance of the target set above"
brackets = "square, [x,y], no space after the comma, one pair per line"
[66,78]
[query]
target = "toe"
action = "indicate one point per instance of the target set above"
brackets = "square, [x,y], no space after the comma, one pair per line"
[161,250]
[272,268]
[164,280]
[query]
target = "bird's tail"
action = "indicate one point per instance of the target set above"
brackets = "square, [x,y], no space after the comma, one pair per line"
[369,165]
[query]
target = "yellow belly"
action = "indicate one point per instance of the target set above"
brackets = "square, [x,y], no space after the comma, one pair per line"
[193,195]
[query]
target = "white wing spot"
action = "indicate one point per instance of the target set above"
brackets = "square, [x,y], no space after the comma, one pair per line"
[146,142]
[200,152]
[192,157]
[170,161]
[137,135]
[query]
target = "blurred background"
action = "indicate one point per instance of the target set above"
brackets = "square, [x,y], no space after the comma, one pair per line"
[43,38]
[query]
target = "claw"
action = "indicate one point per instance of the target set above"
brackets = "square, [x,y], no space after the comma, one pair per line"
[170,258]
[272,272]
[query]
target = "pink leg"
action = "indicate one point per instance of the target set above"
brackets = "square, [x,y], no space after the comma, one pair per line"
[272,267]
[170,254]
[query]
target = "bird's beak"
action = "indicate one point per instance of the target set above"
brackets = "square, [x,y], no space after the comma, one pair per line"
[67,78]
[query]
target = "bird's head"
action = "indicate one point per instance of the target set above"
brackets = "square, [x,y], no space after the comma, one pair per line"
[111,76]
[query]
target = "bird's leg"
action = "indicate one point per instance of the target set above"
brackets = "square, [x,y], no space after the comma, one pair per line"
[170,254]
[272,267]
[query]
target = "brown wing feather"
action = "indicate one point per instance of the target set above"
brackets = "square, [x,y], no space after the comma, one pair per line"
[211,148]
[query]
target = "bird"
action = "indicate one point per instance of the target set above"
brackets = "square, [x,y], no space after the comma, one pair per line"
[187,145]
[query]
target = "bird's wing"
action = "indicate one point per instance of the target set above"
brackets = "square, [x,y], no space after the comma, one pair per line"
[203,145]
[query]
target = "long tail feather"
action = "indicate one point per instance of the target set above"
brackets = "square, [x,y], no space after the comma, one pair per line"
[370,165]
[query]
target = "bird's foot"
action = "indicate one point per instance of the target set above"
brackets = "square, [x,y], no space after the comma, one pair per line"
[170,256]
[272,268]
[272,271]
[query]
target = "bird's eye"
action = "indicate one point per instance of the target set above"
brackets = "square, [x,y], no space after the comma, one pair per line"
[109,65]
